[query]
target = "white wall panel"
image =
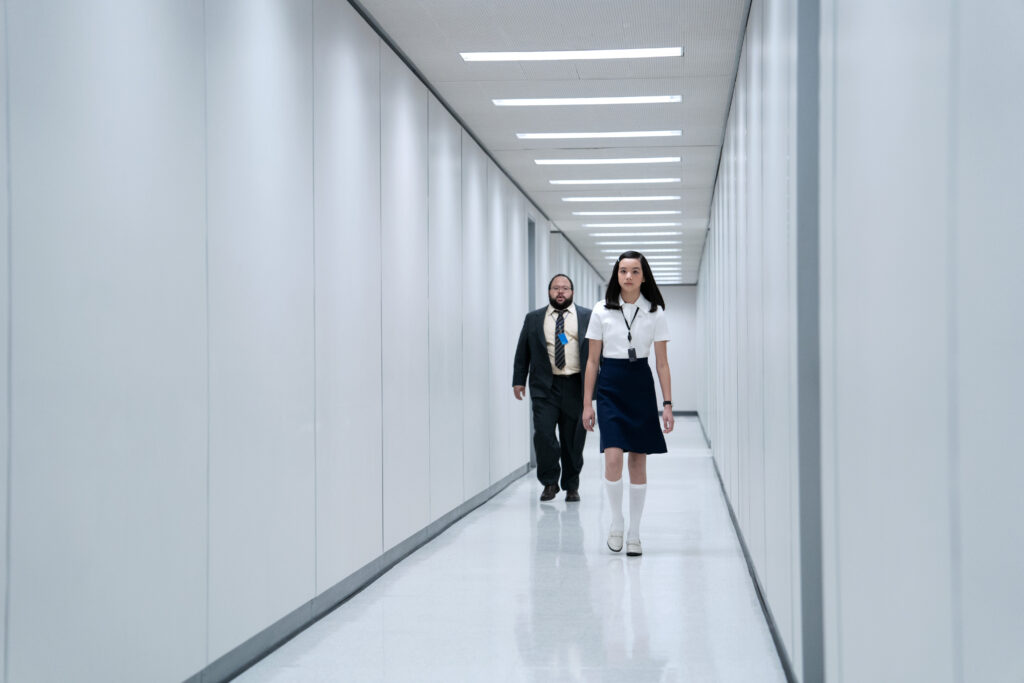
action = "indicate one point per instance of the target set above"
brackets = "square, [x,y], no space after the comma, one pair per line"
[781,527]
[681,312]
[108,452]
[746,315]
[349,495]
[5,325]
[518,411]
[260,160]
[475,327]
[404,283]
[886,352]
[446,318]
[988,371]
[494,289]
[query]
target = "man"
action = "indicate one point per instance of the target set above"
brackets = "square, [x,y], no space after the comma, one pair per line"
[552,350]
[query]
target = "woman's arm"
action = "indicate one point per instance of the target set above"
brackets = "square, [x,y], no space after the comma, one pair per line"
[589,380]
[665,379]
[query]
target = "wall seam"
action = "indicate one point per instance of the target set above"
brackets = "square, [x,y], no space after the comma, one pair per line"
[808,150]
[10,338]
[206,268]
[833,336]
[380,261]
[430,450]
[316,426]
[956,541]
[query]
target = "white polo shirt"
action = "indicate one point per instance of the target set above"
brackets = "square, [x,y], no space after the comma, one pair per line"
[609,327]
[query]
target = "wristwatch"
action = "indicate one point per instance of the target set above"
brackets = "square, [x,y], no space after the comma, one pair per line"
[666,403]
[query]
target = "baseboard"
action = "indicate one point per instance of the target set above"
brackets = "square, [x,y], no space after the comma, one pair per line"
[233,663]
[780,647]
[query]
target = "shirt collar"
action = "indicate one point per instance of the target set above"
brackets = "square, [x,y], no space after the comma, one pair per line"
[642,303]
[552,310]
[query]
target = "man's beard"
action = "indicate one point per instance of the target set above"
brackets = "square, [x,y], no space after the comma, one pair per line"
[560,306]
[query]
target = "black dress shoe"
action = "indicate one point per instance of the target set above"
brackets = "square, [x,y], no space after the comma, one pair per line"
[549,492]
[572,496]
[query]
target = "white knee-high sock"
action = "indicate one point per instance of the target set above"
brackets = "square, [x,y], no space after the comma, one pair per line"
[637,494]
[614,489]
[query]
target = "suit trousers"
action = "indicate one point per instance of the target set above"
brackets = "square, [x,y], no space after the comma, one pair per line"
[561,408]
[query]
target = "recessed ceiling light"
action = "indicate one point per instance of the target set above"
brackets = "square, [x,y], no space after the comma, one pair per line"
[612,134]
[651,198]
[625,213]
[630,225]
[554,55]
[596,162]
[616,181]
[628,244]
[567,101]
[615,251]
[634,234]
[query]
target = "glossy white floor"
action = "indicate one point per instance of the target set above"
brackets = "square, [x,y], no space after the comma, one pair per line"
[520,590]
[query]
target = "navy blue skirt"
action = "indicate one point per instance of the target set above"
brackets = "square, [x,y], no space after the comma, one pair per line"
[627,407]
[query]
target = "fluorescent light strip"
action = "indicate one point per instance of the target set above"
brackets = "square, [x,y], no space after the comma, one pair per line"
[651,198]
[630,225]
[619,251]
[598,162]
[613,134]
[630,244]
[626,213]
[616,181]
[556,55]
[568,101]
[634,234]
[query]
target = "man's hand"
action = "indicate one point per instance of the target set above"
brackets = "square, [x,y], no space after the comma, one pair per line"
[519,390]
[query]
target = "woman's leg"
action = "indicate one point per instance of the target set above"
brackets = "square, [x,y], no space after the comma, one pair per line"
[637,493]
[613,485]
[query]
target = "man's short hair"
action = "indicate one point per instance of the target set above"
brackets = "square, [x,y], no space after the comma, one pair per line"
[572,288]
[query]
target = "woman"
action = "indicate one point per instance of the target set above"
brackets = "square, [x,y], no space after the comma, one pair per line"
[622,329]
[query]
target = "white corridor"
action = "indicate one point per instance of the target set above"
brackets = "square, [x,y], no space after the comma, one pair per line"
[520,590]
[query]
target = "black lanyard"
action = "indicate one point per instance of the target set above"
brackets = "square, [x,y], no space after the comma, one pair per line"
[629,324]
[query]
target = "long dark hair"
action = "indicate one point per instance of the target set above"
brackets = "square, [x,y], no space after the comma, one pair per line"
[649,288]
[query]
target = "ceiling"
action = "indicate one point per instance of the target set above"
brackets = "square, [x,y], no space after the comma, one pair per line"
[432,33]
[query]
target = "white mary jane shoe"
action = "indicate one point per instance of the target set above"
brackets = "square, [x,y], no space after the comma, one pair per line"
[615,541]
[633,548]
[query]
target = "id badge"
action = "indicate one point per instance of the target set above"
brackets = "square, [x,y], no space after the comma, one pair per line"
[563,338]
[632,356]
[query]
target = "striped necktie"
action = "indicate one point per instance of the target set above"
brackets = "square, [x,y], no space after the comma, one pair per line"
[559,347]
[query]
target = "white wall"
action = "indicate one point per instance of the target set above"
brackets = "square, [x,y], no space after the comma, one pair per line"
[404,283]
[919,335]
[108,523]
[476,378]
[347,206]
[5,323]
[261,294]
[747,315]
[231,254]
[446,317]
[921,339]
[681,313]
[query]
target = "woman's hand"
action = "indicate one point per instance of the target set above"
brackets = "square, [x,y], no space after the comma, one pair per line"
[667,419]
[588,418]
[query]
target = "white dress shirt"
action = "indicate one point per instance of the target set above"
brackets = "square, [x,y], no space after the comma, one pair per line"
[572,349]
[609,327]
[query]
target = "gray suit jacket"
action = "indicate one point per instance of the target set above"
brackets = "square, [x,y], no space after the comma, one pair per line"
[532,352]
